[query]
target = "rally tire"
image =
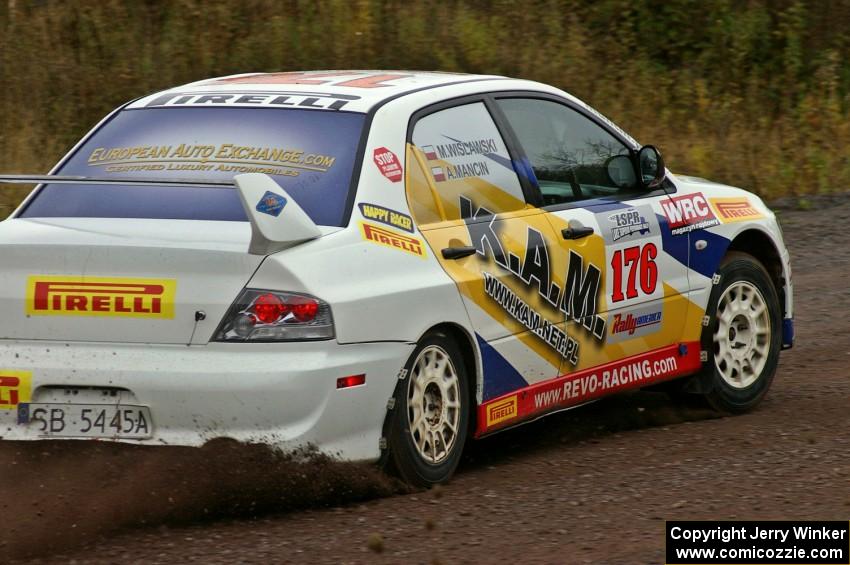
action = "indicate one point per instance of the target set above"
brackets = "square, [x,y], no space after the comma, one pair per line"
[430,418]
[744,334]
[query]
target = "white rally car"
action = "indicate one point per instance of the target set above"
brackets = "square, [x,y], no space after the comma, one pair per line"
[380,264]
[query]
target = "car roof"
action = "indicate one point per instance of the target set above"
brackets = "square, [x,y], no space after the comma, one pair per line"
[350,90]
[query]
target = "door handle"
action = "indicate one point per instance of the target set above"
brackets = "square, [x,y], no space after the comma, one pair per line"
[576,233]
[458,252]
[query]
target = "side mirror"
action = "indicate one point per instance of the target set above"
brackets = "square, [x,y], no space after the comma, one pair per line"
[651,167]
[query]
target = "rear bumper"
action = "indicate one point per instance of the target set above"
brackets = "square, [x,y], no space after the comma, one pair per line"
[281,394]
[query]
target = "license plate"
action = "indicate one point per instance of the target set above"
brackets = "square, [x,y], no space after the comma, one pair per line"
[107,421]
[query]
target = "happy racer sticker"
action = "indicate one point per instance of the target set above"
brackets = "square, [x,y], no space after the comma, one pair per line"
[271,204]
[388,164]
[387,216]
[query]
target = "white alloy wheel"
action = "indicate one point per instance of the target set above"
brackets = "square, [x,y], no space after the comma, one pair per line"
[433,404]
[742,338]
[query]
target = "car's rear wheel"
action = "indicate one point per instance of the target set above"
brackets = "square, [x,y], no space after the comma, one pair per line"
[743,337]
[431,413]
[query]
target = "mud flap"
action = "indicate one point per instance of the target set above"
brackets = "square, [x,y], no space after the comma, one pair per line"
[389,418]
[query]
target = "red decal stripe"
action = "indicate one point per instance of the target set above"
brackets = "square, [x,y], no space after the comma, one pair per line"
[577,388]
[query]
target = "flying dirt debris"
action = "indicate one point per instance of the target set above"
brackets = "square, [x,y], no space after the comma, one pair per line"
[67,494]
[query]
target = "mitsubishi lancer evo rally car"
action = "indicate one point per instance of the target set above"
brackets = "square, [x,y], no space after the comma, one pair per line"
[378,264]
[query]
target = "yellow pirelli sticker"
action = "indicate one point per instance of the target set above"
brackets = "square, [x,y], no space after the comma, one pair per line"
[390,238]
[734,209]
[502,411]
[49,295]
[15,387]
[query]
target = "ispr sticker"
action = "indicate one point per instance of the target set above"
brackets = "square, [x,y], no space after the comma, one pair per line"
[388,164]
[271,204]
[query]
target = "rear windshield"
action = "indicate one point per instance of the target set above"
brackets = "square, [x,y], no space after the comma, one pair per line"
[310,153]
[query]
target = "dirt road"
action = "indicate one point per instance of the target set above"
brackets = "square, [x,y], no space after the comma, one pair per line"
[592,485]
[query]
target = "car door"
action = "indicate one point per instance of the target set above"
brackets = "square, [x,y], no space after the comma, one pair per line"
[470,205]
[611,235]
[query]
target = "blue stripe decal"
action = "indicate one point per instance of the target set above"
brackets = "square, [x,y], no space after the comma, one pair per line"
[676,246]
[601,205]
[707,261]
[704,262]
[500,377]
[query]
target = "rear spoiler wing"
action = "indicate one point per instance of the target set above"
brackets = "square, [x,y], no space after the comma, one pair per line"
[277,221]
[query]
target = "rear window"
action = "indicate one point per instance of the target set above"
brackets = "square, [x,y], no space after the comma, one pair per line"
[310,153]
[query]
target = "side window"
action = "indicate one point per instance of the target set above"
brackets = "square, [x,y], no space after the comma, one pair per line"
[572,157]
[461,158]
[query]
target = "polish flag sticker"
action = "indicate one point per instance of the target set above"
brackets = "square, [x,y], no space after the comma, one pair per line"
[430,154]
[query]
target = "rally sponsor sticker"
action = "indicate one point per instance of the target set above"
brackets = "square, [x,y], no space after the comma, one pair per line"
[389,238]
[688,213]
[51,295]
[223,157]
[262,98]
[271,204]
[735,209]
[628,224]
[334,78]
[577,388]
[502,411]
[388,163]
[637,322]
[15,388]
[387,216]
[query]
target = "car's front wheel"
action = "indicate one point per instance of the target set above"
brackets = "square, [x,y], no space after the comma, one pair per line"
[743,337]
[431,413]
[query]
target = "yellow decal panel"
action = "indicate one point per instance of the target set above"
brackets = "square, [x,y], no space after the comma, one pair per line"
[15,388]
[731,210]
[50,295]
[551,293]
[389,238]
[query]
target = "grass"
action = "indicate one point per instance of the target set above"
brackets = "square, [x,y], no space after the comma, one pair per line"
[753,94]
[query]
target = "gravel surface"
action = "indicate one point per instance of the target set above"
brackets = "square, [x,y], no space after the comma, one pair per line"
[593,485]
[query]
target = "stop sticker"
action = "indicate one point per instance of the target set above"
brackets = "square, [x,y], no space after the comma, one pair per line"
[388,163]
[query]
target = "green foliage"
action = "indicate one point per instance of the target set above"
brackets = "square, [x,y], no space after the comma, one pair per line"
[753,93]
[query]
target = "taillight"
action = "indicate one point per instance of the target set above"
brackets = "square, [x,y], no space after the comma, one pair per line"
[304,308]
[265,315]
[268,308]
